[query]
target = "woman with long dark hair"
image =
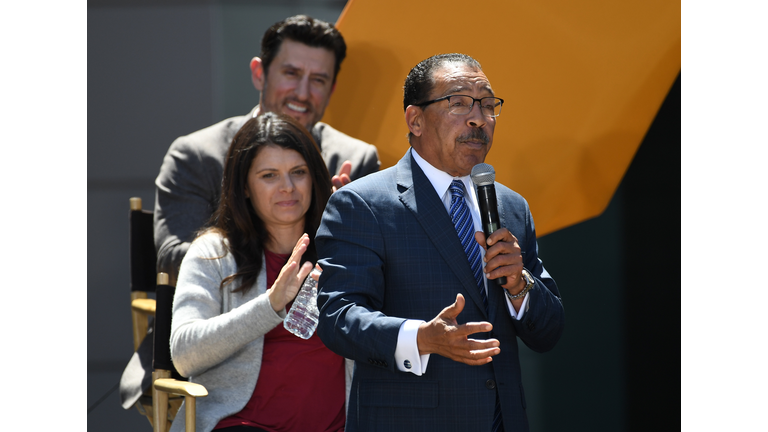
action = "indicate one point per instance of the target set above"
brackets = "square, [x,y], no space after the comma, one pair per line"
[238,280]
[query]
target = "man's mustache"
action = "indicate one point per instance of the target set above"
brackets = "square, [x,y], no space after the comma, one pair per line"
[474,135]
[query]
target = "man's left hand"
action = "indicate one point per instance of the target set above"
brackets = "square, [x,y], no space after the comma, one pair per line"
[503,257]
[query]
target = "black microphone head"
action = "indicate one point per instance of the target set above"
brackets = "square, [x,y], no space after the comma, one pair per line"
[483,174]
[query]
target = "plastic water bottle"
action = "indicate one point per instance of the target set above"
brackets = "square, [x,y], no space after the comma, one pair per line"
[301,320]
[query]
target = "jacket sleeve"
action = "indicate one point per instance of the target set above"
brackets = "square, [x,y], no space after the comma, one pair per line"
[184,202]
[201,335]
[350,248]
[370,163]
[544,320]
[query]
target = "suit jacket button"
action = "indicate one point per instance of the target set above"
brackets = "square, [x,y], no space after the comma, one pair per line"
[371,361]
[490,384]
[531,326]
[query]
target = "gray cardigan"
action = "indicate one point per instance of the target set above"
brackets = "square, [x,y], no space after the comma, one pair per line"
[217,336]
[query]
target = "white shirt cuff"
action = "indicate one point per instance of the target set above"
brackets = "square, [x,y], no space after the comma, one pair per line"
[407,351]
[523,308]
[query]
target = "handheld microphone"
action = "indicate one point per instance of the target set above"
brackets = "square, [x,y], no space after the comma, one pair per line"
[483,177]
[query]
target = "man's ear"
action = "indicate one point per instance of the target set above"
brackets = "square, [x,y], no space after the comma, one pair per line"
[414,118]
[257,73]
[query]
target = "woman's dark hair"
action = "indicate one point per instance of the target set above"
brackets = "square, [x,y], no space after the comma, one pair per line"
[235,218]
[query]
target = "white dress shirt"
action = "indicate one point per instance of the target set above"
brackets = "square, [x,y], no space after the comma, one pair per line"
[407,351]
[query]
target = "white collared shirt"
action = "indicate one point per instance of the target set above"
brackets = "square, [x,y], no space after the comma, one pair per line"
[407,350]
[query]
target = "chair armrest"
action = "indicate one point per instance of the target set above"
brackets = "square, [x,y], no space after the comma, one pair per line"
[145,306]
[181,388]
[162,387]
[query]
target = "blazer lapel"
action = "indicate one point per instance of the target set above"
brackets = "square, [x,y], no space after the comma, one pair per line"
[420,198]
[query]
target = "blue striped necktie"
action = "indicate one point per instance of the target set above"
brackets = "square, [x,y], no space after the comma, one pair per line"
[462,220]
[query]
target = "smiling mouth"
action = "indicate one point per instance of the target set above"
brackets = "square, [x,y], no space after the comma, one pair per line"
[287,203]
[297,108]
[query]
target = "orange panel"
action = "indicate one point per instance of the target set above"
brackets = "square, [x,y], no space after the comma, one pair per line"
[582,82]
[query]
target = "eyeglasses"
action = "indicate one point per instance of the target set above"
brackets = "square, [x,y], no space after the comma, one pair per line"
[462,104]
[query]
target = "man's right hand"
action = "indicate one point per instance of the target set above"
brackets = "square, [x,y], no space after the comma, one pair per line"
[342,178]
[444,336]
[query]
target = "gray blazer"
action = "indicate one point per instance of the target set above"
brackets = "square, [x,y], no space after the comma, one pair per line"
[189,184]
[217,336]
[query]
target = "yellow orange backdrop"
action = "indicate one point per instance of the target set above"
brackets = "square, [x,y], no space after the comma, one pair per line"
[582,82]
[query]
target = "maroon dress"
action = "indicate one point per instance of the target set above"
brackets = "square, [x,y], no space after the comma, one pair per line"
[301,383]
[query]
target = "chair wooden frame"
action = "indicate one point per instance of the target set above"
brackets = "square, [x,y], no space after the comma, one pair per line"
[142,307]
[162,383]
[143,276]
[144,279]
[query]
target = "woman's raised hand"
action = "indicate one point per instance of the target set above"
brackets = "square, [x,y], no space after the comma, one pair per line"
[291,277]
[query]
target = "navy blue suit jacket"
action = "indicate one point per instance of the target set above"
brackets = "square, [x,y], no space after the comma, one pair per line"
[390,252]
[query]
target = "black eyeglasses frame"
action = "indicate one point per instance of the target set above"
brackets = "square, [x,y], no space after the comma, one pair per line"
[501,103]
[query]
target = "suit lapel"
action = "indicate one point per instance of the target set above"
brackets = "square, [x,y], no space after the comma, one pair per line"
[420,198]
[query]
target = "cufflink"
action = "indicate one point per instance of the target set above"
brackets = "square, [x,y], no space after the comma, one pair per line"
[407,364]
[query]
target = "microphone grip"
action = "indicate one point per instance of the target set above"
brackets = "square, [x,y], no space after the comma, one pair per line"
[489,215]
